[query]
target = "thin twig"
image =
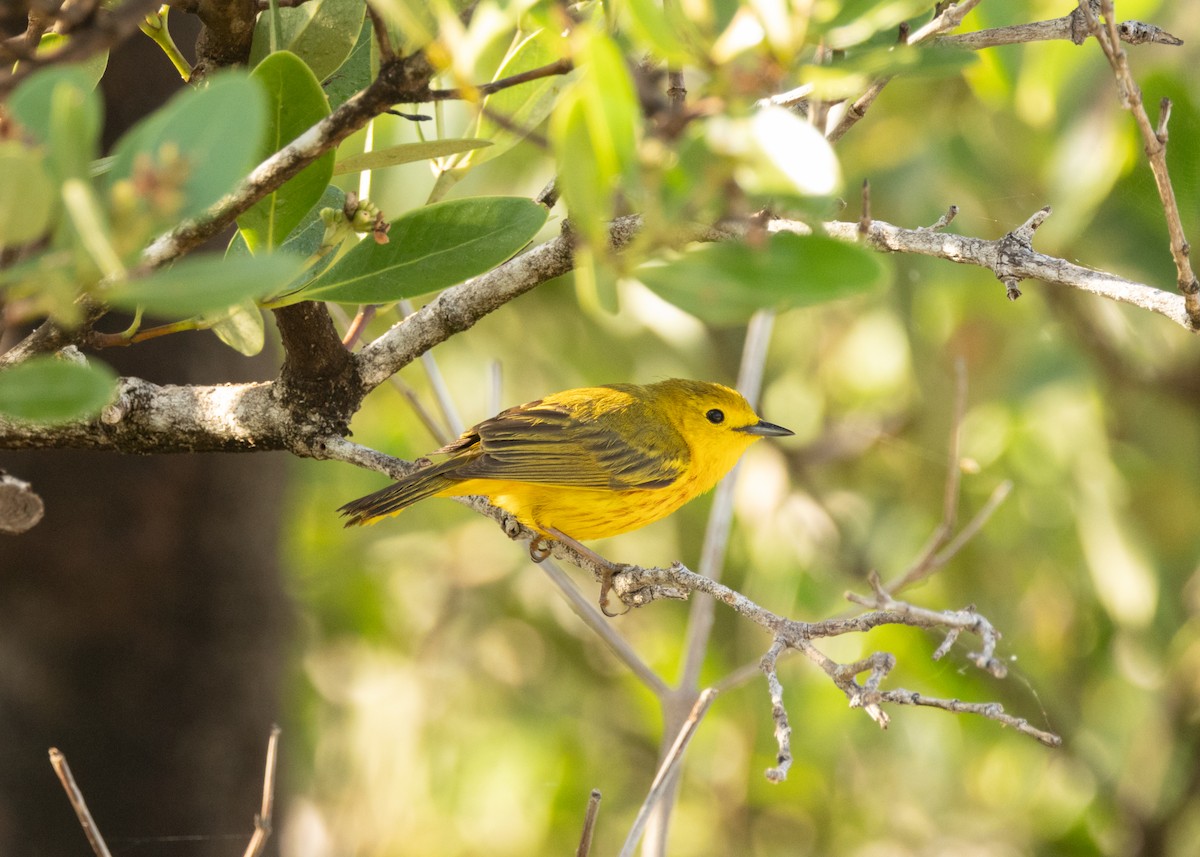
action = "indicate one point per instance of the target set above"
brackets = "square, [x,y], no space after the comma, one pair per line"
[1154,141]
[667,768]
[990,710]
[589,824]
[75,796]
[474,93]
[783,729]
[263,819]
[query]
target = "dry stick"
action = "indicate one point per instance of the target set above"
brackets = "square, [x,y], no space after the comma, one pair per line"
[667,768]
[262,820]
[474,93]
[589,824]
[75,796]
[1155,143]
[783,729]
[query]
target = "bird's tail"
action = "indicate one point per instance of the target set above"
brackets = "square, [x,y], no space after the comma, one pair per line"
[398,496]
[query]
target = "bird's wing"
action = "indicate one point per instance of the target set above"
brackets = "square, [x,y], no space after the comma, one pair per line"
[549,444]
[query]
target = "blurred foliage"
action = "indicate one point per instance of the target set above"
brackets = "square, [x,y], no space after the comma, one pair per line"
[455,705]
[447,700]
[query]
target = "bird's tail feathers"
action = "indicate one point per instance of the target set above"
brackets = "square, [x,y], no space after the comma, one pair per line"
[395,498]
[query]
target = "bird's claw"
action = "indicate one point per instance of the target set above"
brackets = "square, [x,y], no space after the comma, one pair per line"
[540,548]
[606,585]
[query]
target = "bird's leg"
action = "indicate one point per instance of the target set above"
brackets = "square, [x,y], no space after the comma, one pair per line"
[607,568]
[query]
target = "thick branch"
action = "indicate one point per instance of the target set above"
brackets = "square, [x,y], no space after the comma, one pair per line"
[148,418]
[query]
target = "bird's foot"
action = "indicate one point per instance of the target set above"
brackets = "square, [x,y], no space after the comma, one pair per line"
[540,548]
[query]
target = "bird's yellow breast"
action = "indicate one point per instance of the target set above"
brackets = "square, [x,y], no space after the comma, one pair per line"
[582,513]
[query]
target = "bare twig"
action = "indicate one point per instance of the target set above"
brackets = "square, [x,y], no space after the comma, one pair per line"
[75,796]
[783,729]
[262,820]
[589,825]
[1154,141]
[20,507]
[667,768]
[474,93]
[1055,29]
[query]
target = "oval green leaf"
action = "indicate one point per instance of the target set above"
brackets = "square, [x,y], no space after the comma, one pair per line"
[295,102]
[210,136]
[320,32]
[431,248]
[405,153]
[50,390]
[727,282]
[203,284]
[27,196]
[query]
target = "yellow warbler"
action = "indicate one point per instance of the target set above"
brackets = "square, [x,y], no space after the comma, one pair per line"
[588,463]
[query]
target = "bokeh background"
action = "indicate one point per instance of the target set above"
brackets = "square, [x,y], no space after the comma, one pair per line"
[438,697]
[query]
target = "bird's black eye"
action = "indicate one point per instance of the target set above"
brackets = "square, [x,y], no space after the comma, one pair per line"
[716,416]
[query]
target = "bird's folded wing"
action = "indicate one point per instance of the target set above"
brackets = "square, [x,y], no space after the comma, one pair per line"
[546,444]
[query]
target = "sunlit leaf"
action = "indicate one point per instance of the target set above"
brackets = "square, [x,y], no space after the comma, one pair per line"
[855,21]
[203,284]
[728,281]
[431,248]
[27,195]
[295,102]
[50,390]
[776,152]
[405,153]
[241,328]
[93,65]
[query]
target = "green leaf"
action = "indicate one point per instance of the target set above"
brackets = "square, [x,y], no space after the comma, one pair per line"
[307,238]
[594,129]
[295,102]
[846,78]
[206,139]
[726,282]
[405,153]
[93,66]
[50,390]
[355,73]
[27,195]
[320,32]
[585,190]
[650,24]
[431,248]
[241,328]
[855,21]
[59,107]
[204,284]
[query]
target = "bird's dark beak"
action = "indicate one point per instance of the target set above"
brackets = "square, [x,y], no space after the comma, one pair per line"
[762,428]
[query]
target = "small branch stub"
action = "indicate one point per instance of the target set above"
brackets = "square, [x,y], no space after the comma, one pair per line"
[20,507]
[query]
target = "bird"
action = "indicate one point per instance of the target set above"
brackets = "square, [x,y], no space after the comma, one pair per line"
[588,463]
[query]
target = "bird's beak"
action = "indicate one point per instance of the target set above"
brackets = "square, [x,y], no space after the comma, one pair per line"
[762,428]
